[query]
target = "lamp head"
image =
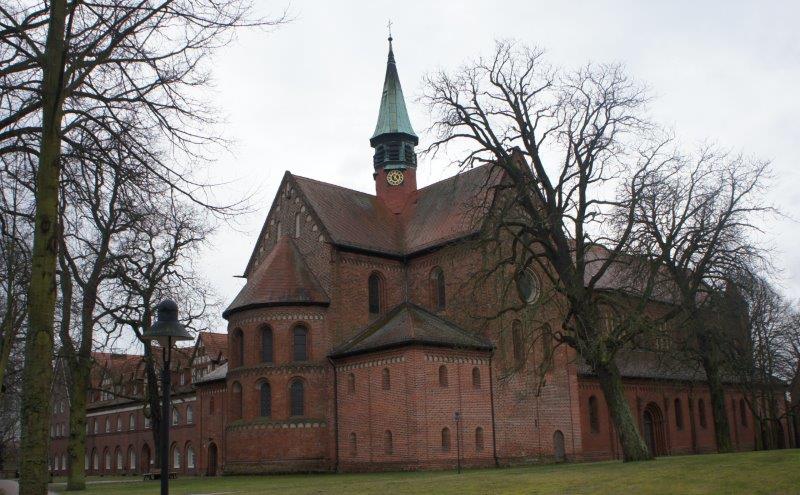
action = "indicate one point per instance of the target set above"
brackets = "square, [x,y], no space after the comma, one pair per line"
[167,330]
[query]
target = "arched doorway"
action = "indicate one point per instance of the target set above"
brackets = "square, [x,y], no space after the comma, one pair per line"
[558,446]
[212,459]
[144,459]
[653,426]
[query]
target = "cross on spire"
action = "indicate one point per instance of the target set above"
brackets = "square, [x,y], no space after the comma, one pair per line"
[389,25]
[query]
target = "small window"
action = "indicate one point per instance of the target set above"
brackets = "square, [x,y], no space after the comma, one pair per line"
[375,289]
[119,423]
[236,400]
[119,460]
[701,411]
[443,376]
[297,222]
[131,422]
[300,344]
[517,342]
[445,439]
[353,445]
[386,382]
[278,230]
[388,446]
[266,345]
[176,457]
[107,457]
[108,425]
[594,419]
[238,346]
[297,398]
[437,289]
[190,457]
[265,402]
[476,377]
[189,414]
[131,458]
[678,414]
[95,461]
[743,412]
[478,439]
[351,383]
[176,417]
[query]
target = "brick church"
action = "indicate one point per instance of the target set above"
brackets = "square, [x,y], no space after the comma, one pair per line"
[353,346]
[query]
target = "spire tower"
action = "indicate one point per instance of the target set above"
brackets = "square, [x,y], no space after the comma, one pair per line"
[395,160]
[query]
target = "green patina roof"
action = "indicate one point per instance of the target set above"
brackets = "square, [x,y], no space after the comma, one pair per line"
[393,116]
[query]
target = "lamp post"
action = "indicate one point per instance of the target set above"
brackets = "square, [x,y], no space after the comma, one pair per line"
[166,331]
[457,417]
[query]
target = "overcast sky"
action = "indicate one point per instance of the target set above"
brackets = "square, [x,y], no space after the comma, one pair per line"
[305,96]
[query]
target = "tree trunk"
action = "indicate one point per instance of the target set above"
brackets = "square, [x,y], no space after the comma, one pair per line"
[76,447]
[633,447]
[38,371]
[9,330]
[722,431]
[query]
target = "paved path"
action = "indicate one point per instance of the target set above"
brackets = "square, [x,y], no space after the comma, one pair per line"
[10,487]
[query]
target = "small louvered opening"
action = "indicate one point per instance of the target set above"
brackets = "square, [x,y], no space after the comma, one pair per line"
[393,152]
[380,155]
[409,155]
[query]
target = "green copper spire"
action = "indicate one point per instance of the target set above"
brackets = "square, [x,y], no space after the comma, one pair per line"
[393,116]
[394,139]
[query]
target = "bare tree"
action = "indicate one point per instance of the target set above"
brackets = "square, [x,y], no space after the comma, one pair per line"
[573,149]
[158,263]
[131,68]
[700,213]
[765,362]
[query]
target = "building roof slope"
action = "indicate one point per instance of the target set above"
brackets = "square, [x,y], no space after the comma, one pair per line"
[216,344]
[282,278]
[409,324]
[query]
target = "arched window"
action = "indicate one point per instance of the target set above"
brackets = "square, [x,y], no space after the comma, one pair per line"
[236,401]
[95,460]
[743,412]
[107,459]
[119,423]
[131,458]
[701,411]
[300,343]
[176,417]
[478,439]
[443,376]
[189,415]
[238,348]
[108,425]
[375,288]
[176,457]
[594,419]
[353,445]
[278,231]
[445,439]
[476,377]
[386,382]
[131,422]
[517,342]
[120,461]
[189,457]
[297,225]
[351,383]
[388,446]
[64,461]
[437,289]
[297,398]
[266,345]
[678,414]
[265,399]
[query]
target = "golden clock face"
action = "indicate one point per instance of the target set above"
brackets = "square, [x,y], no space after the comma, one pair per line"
[395,177]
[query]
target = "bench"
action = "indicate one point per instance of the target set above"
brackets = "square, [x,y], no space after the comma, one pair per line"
[156,474]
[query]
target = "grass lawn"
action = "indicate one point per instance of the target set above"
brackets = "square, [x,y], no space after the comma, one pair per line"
[774,472]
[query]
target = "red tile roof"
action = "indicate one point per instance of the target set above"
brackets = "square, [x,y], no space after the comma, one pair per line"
[215,344]
[409,324]
[282,278]
[434,215]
